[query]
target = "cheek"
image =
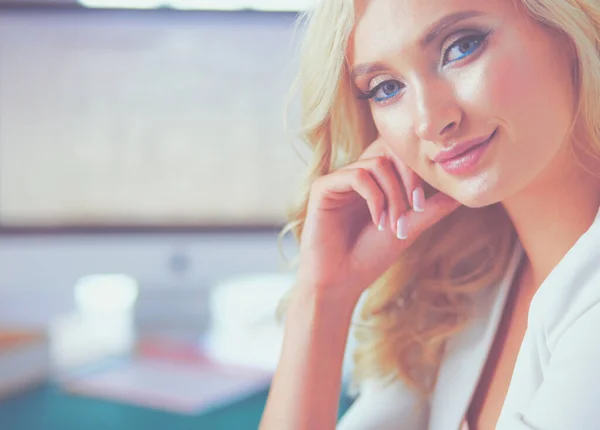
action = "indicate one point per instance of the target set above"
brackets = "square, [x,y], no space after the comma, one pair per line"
[503,88]
[394,126]
[493,91]
[526,94]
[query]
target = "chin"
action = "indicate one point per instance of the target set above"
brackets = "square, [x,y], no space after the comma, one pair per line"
[476,192]
[477,203]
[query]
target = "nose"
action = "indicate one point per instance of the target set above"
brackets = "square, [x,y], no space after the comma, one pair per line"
[438,114]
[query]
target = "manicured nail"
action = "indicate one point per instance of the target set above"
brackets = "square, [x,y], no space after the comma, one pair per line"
[402,228]
[381,225]
[418,197]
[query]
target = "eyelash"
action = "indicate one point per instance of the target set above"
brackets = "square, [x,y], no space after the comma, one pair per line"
[477,38]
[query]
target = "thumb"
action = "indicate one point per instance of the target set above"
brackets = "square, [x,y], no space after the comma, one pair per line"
[436,207]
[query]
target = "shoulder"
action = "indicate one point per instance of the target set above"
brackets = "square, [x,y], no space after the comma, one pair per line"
[383,405]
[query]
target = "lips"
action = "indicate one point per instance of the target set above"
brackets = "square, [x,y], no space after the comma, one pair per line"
[459,149]
[463,158]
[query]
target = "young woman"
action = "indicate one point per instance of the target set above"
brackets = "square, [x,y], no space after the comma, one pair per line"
[455,182]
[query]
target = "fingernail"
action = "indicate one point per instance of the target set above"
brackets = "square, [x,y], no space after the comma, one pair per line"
[402,228]
[381,225]
[418,197]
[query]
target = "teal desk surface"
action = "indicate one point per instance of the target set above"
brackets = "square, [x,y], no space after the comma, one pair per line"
[49,408]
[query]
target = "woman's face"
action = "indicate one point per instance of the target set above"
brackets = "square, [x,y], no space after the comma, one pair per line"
[474,96]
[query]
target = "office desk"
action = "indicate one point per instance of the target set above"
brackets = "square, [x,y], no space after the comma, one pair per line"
[49,408]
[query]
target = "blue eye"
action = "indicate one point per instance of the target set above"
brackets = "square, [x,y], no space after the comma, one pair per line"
[463,48]
[386,90]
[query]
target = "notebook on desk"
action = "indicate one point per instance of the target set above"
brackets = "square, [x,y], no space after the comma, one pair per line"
[174,382]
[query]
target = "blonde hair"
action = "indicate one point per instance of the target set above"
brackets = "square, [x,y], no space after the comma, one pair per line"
[461,255]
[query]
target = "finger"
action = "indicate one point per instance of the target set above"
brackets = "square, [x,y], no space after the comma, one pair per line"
[361,181]
[389,180]
[413,183]
[413,194]
[436,208]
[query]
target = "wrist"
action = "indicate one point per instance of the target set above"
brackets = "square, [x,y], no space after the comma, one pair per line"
[319,307]
[322,295]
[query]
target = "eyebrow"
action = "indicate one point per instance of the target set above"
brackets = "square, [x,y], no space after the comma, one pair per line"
[430,35]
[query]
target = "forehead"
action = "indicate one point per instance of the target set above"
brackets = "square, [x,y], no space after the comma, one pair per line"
[393,26]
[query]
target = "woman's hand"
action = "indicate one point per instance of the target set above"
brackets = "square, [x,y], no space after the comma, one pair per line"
[350,237]
[359,220]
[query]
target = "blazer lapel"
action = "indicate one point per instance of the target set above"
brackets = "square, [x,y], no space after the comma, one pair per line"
[466,354]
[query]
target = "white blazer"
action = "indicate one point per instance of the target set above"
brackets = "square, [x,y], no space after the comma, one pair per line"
[556,380]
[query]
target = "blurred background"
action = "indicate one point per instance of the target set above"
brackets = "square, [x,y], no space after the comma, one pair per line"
[145,173]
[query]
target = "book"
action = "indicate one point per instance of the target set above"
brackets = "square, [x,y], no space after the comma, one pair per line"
[178,380]
[24,360]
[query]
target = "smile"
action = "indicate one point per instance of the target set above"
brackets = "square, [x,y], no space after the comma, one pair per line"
[462,158]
